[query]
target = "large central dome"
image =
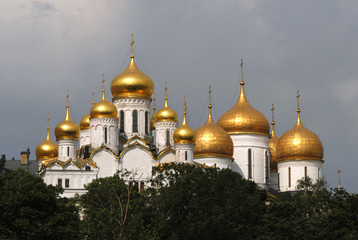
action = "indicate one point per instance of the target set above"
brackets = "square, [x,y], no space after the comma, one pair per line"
[243,118]
[132,83]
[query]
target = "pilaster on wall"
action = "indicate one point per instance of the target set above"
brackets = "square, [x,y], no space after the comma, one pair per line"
[104,132]
[67,149]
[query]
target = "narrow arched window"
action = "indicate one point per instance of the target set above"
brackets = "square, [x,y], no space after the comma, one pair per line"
[105,135]
[305,172]
[135,120]
[168,137]
[267,165]
[146,123]
[68,151]
[318,173]
[289,177]
[186,155]
[249,162]
[121,121]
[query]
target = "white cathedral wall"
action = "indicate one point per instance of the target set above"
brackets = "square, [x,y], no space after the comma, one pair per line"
[67,149]
[167,157]
[215,162]
[107,163]
[97,133]
[85,138]
[259,145]
[297,172]
[77,179]
[180,150]
[127,105]
[139,162]
[161,134]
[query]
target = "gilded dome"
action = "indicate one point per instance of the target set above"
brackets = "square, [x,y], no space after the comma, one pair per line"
[212,141]
[47,149]
[273,148]
[299,143]
[243,118]
[166,114]
[184,134]
[85,121]
[132,83]
[67,129]
[104,109]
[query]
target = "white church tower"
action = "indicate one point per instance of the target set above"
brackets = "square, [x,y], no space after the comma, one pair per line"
[165,124]
[104,124]
[299,155]
[132,91]
[184,140]
[67,133]
[250,133]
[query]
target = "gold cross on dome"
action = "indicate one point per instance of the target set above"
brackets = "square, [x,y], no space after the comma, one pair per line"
[48,120]
[184,104]
[210,95]
[103,81]
[242,70]
[298,99]
[132,43]
[67,96]
[273,112]
[166,90]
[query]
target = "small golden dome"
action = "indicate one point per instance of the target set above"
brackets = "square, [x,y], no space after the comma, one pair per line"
[212,141]
[47,149]
[166,114]
[132,83]
[184,134]
[104,109]
[299,143]
[243,118]
[273,146]
[67,129]
[85,123]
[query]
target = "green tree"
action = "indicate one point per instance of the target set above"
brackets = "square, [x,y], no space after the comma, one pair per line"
[2,163]
[29,209]
[205,203]
[113,210]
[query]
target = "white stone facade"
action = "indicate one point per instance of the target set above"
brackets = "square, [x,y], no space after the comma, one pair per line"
[252,157]
[184,153]
[290,171]
[104,132]
[85,137]
[164,134]
[67,149]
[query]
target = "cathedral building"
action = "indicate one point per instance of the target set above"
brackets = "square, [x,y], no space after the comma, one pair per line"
[124,135]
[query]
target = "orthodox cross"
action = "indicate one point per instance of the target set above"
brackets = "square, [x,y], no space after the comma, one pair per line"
[93,97]
[184,105]
[154,102]
[298,99]
[210,97]
[103,81]
[67,96]
[132,43]
[273,113]
[242,70]
[166,90]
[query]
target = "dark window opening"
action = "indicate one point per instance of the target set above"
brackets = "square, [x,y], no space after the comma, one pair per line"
[68,151]
[305,172]
[267,165]
[249,163]
[88,168]
[146,123]
[121,122]
[59,182]
[186,155]
[141,186]
[135,121]
[105,135]
[67,183]
[168,137]
[289,177]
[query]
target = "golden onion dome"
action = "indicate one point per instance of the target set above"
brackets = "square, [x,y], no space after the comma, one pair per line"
[299,143]
[47,149]
[104,109]
[132,83]
[67,129]
[184,134]
[273,146]
[212,140]
[243,118]
[166,114]
[85,121]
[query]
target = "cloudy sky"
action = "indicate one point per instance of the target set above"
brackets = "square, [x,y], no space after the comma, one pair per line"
[311,46]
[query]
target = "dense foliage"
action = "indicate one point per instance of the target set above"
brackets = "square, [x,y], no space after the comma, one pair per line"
[182,202]
[29,209]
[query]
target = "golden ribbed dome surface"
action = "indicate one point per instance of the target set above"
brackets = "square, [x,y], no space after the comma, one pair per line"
[273,148]
[85,123]
[67,129]
[132,83]
[184,134]
[212,141]
[299,143]
[166,114]
[243,118]
[47,149]
[103,109]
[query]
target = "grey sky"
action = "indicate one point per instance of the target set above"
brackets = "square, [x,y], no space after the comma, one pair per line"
[311,46]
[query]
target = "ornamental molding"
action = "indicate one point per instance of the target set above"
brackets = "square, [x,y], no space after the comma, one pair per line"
[104,120]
